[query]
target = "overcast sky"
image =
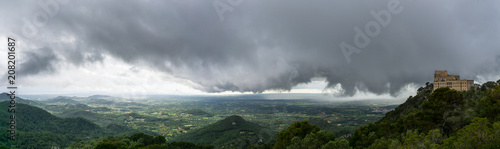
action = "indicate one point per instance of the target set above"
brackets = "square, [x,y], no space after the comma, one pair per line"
[253,46]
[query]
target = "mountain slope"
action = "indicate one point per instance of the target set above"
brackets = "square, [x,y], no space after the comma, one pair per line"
[49,130]
[62,99]
[109,121]
[437,119]
[198,112]
[232,131]
[6,97]
[37,128]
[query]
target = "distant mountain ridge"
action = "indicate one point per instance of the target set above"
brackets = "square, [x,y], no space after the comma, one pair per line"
[6,97]
[100,96]
[62,99]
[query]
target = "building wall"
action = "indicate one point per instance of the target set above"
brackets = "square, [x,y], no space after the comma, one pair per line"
[442,75]
[443,79]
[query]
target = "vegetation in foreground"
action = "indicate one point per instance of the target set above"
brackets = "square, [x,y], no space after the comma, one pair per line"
[136,141]
[441,119]
[444,118]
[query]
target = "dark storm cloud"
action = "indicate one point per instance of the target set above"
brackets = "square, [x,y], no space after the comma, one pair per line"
[262,45]
[40,62]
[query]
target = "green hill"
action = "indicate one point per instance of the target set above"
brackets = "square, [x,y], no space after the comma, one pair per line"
[109,121]
[444,118]
[198,112]
[6,97]
[231,132]
[62,99]
[65,108]
[37,128]
[100,119]
[440,119]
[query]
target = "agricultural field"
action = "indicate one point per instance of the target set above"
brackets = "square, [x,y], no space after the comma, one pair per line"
[171,116]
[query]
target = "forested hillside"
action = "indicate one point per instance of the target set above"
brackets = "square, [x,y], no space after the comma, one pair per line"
[138,140]
[6,97]
[36,128]
[231,132]
[444,118]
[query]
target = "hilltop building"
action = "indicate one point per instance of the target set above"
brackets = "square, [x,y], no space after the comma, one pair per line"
[443,79]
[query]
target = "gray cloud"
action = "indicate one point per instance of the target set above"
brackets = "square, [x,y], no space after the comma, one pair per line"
[38,62]
[263,45]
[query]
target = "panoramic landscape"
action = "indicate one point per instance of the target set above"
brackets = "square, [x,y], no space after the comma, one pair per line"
[241,74]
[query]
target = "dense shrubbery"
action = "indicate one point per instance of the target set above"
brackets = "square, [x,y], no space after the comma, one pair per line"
[136,141]
[302,135]
[444,118]
[36,128]
[297,130]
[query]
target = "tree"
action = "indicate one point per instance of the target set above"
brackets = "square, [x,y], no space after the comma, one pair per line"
[110,145]
[339,143]
[490,106]
[488,85]
[478,134]
[364,136]
[441,105]
[312,140]
[380,143]
[420,89]
[434,137]
[297,129]
[159,140]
